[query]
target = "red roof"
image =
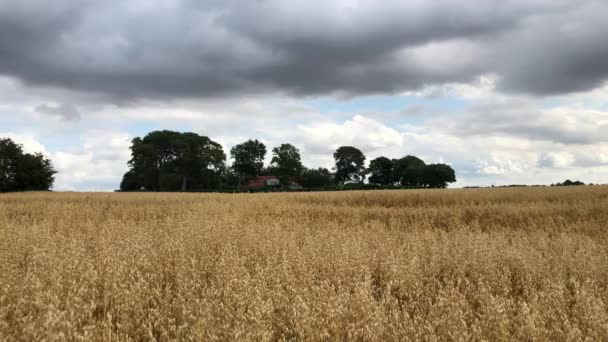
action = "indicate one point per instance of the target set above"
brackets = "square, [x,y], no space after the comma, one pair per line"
[259,181]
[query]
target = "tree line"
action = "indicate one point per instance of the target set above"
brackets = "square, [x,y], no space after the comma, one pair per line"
[174,161]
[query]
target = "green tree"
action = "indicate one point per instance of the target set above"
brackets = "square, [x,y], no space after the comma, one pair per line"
[10,153]
[230,180]
[568,182]
[350,165]
[316,178]
[248,158]
[34,172]
[438,175]
[23,171]
[408,170]
[130,181]
[200,161]
[381,170]
[169,161]
[286,163]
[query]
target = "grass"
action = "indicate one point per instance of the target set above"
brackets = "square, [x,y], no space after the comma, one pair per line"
[473,264]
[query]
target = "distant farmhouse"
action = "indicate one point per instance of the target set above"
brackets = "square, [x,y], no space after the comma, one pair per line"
[263,181]
[269,182]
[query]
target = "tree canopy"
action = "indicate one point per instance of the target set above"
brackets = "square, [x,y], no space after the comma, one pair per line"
[409,170]
[350,165]
[248,158]
[286,163]
[21,171]
[382,171]
[169,161]
[316,178]
[437,176]
[568,182]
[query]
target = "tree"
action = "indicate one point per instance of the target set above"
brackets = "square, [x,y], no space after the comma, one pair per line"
[408,170]
[34,172]
[230,179]
[381,170]
[169,161]
[438,176]
[316,178]
[200,161]
[350,165]
[568,182]
[130,181]
[286,163]
[23,171]
[248,158]
[10,153]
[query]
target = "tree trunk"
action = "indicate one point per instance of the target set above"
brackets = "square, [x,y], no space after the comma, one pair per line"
[184,184]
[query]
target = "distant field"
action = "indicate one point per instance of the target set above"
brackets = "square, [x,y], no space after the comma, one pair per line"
[494,264]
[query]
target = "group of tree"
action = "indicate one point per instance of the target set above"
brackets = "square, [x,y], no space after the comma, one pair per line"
[173,161]
[21,171]
[166,160]
[410,171]
[568,182]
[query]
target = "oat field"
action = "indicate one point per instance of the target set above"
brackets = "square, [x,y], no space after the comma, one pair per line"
[472,264]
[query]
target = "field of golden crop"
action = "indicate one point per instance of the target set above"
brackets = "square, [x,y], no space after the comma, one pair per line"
[494,264]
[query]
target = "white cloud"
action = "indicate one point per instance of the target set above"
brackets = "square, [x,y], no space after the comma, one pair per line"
[501,163]
[96,165]
[556,159]
[482,87]
[362,132]
[532,120]
[28,141]
[104,145]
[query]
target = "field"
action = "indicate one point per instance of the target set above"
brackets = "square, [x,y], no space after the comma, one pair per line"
[471,264]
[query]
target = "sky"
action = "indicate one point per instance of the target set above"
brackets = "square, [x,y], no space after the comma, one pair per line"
[505,91]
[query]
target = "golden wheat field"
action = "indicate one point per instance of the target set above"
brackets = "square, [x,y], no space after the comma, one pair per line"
[470,264]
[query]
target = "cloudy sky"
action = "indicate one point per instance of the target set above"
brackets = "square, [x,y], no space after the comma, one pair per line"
[506,91]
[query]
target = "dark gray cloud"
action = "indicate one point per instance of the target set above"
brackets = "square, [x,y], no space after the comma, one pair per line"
[136,49]
[65,111]
[557,52]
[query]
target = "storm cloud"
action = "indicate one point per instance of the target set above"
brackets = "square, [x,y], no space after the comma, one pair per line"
[169,49]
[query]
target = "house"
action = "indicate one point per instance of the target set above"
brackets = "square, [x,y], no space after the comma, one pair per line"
[270,181]
[262,181]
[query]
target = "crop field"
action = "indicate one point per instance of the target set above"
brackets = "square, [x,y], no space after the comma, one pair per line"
[471,264]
